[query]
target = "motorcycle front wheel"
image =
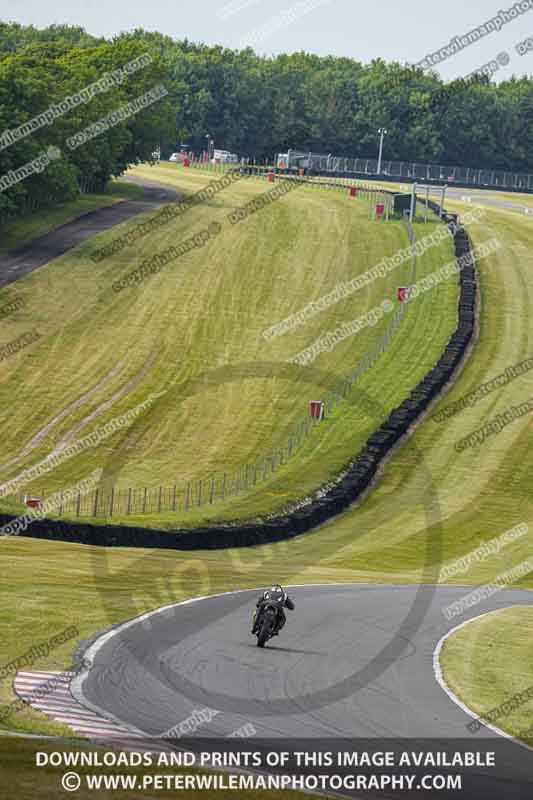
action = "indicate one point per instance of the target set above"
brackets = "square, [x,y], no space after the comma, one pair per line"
[265,631]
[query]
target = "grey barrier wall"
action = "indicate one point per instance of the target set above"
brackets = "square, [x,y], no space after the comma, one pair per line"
[357,475]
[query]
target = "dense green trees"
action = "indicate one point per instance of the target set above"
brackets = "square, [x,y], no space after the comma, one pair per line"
[37,74]
[252,105]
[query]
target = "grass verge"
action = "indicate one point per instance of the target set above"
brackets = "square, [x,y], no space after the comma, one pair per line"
[428,493]
[489,661]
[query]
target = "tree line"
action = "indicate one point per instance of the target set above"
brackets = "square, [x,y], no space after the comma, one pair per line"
[253,105]
[75,81]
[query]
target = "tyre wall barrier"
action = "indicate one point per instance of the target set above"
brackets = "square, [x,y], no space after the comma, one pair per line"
[356,476]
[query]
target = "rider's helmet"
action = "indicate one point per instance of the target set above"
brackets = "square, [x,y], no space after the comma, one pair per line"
[276,592]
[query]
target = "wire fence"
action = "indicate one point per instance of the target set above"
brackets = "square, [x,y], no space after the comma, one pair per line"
[369,192]
[185,497]
[374,195]
[409,170]
[114,502]
[344,385]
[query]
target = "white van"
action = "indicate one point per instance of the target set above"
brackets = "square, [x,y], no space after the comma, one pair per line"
[224,157]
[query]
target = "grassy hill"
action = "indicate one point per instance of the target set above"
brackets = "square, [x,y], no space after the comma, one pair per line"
[194,332]
[428,493]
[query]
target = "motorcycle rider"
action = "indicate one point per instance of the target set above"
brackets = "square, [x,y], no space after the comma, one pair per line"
[278,597]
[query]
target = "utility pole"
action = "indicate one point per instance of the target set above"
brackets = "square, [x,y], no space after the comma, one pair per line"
[210,143]
[413,201]
[382,132]
[443,195]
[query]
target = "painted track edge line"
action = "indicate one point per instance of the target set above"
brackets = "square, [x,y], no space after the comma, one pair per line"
[88,656]
[439,677]
[76,685]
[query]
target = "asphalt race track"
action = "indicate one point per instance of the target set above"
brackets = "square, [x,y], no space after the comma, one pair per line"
[45,248]
[472,196]
[352,661]
[326,670]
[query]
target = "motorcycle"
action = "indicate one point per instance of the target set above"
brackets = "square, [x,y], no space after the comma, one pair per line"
[265,623]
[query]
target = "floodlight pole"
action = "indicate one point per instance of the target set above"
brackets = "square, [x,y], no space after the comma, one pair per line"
[382,132]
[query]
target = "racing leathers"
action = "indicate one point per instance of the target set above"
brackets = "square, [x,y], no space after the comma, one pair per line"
[277,597]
